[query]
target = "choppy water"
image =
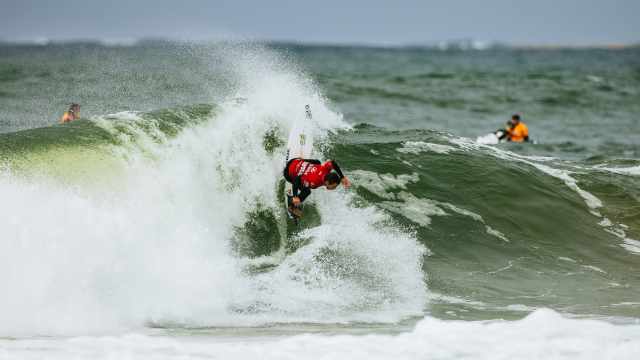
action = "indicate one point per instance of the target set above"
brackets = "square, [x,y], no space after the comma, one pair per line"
[153,226]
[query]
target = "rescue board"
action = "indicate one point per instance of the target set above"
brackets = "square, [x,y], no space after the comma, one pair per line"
[496,138]
[300,145]
[490,139]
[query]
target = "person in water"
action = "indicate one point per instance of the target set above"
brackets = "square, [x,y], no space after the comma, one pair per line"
[516,130]
[307,174]
[70,115]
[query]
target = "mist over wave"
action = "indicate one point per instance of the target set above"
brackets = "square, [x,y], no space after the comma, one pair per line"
[153,245]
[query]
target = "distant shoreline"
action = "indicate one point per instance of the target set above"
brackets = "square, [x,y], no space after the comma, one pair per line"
[464,44]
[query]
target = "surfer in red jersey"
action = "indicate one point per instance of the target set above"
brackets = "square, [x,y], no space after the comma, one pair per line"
[307,174]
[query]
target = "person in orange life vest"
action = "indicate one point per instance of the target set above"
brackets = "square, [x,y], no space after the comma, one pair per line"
[307,174]
[72,114]
[517,131]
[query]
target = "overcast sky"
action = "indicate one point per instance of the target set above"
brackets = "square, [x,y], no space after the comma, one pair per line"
[566,22]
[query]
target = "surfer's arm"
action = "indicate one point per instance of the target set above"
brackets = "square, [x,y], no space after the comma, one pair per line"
[343,179]
[334,166]
[300,191]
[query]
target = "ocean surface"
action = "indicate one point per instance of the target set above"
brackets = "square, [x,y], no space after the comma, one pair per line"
[153,227]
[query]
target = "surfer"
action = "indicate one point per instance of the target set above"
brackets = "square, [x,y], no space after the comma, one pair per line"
[516,130]
[72,114]
[307,174]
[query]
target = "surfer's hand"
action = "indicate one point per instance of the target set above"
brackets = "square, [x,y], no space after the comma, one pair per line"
[345,182]
[295,201]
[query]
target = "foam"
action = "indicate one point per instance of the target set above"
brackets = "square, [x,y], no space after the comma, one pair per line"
[544,334]
[594,268]
[521,308]
[381,184]
[415,209]
[155,247]
[631,245]
[420,210]
[496,233]
[416,147]
[504,268]
[591,200]
[631,171]
[355,261]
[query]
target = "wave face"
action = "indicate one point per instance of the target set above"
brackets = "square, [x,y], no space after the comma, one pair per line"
[508,233]
[163,215]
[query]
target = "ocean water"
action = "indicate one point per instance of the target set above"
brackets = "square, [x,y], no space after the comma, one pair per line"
[153,226]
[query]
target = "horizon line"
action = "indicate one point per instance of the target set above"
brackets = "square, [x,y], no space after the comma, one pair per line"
[450,44]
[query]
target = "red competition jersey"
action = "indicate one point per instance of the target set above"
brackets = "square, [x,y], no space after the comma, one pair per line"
[312,175]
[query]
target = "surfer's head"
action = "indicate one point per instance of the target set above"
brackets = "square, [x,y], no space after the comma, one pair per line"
[74,110]
[331,180]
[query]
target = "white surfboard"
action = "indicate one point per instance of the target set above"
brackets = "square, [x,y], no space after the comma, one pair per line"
[300,145]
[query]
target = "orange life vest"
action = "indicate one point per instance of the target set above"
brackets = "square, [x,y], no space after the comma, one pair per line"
[518,133]
[66,117]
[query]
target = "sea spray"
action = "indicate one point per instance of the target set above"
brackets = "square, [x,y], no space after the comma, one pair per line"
[153,247]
